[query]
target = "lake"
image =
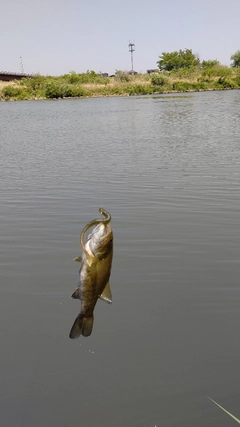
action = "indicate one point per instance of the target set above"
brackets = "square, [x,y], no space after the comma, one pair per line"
[167,168]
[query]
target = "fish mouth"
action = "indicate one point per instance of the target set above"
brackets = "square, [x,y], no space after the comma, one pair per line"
[102,230]
[101,241]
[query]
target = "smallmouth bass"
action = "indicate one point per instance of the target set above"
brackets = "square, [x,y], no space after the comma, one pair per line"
[94,272]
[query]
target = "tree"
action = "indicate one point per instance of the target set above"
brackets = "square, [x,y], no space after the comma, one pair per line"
[210,63]
[236,59]
[175,60]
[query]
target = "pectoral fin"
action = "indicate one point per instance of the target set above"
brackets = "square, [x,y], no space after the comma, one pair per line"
[78,259]
[76,294]
[106,294]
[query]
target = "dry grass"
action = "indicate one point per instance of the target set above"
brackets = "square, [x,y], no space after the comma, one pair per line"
[114,82]
[11,83]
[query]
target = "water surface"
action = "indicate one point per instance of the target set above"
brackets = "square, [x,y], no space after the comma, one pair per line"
[168,169]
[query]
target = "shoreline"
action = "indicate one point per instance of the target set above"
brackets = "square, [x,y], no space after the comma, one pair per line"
[93,85]
[166,92]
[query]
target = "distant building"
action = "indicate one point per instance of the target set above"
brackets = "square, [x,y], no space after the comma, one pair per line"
[103,74]
[132,73]
[152,70]
[7,77]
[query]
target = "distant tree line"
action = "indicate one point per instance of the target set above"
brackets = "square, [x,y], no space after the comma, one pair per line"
[176,60]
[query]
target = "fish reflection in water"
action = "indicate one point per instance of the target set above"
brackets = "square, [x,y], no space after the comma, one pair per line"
[94,272]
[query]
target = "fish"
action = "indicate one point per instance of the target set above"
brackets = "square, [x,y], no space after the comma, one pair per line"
[94,273]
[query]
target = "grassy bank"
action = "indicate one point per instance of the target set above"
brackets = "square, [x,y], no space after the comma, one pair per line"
[91,84]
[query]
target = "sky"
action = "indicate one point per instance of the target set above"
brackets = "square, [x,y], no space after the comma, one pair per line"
[55,37]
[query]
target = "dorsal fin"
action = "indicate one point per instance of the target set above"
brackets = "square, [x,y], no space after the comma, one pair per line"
[106,294]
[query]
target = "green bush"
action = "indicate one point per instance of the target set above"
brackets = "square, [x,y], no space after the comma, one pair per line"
[226,84]
[88,77]
[210,63]
[208,73]
[140,89]
[217,71]
[158,80]
[35,82]
[73,77]
[185,73]
[79,91]
[184,86]
[11,91]
[69,91]
[25,94]
[122,76]
[237,79]
[54,90]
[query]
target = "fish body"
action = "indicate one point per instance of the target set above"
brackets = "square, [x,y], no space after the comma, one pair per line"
[94,273]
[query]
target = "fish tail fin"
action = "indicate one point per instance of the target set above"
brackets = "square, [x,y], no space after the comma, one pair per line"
[82,326]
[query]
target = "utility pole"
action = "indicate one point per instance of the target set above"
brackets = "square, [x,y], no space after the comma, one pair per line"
[131,48]
[21,65]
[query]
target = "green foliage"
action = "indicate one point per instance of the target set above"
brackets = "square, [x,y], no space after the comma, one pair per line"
[223,71]
[122,76]
[143,77]
[217,71]
[236,59]
[175,60]
[139,89]
[209,72]
[237,79]
[12,92]
[88,77]
[225,84]
[69,91]
[210,63]
[55,89]
[73,77]
[158,80]
[36,82]
[185,73]
[105,90]
[186,86]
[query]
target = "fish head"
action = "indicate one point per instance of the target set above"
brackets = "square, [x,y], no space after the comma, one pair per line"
[101,241]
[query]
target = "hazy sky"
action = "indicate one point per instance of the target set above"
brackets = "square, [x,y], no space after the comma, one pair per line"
[56,36]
